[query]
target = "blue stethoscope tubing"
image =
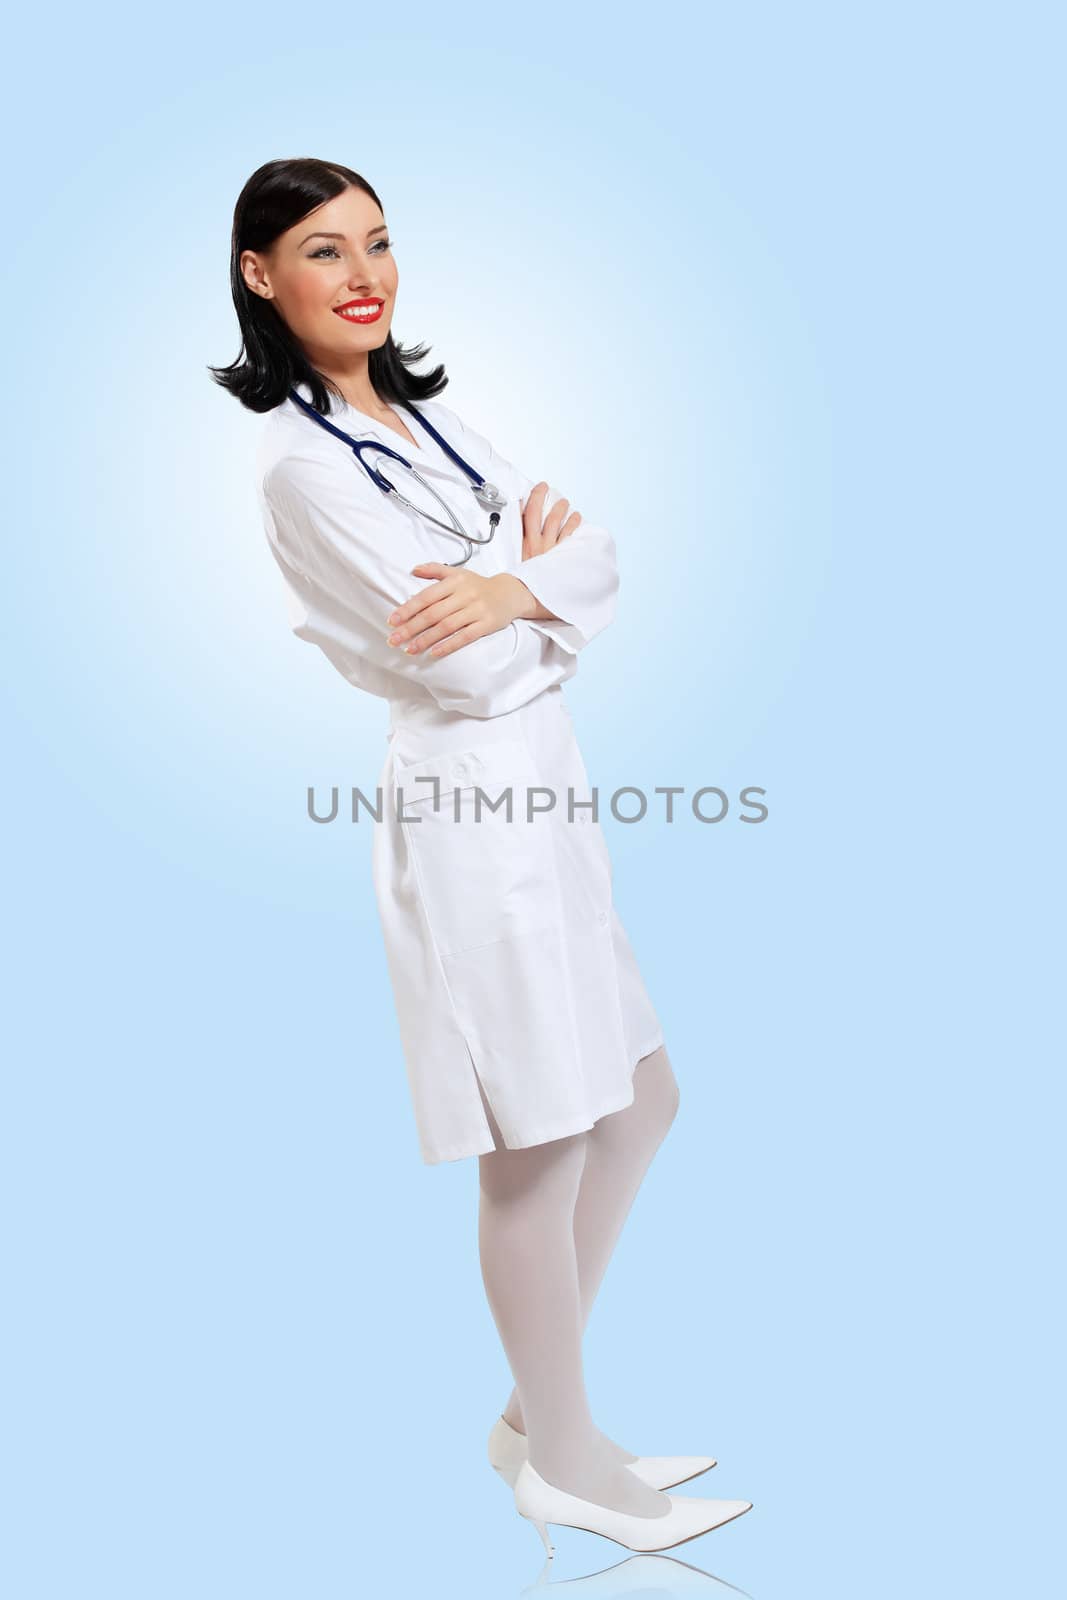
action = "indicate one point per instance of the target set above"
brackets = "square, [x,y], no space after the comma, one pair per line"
[487,494]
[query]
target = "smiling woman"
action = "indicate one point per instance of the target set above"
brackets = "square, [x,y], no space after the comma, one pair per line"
[523,1016]
[302,292]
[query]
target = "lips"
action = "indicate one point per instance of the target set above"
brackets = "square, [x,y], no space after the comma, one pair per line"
[360,310]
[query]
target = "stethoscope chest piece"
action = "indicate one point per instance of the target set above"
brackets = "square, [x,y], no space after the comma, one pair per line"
[489,497]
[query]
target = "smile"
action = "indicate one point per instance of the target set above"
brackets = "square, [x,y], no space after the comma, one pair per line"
[360,310]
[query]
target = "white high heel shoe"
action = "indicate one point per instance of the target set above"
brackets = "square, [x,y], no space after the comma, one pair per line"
[508,1449]
[542,1503]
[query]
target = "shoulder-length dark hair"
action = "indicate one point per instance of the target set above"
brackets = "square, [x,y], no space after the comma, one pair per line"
[277,196]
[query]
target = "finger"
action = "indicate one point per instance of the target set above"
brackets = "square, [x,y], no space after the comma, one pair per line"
[412,615]
[442,630]
[555,519]
[427,569]
[535,538]
[569,526]
[473,630]
[532,511]
[441,627]
[425,619]
[550,534]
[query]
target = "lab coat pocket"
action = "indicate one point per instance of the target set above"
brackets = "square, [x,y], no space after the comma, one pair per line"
[485,873]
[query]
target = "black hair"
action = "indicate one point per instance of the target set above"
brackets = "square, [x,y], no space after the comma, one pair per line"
[272,361]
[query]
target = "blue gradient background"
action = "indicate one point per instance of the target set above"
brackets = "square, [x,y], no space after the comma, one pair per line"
[774,293]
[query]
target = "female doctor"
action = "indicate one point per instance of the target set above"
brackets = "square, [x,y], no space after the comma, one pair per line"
[528,1036]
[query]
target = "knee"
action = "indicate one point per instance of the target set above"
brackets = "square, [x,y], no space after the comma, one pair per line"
[671,1094]
[672,1102]
[656,1092]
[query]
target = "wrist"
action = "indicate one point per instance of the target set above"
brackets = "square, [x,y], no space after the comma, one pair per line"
[520,602]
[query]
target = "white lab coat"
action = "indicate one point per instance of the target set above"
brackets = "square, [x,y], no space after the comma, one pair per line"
[506,956]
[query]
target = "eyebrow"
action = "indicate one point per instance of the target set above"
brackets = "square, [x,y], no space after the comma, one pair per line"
[318,235]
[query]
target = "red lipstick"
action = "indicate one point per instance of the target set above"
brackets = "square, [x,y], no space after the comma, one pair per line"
[360,310]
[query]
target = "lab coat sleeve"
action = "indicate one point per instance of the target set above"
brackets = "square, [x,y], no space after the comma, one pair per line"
[577,579]
[335,540]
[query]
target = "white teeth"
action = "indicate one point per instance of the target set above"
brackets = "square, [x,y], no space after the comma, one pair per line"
[364,315]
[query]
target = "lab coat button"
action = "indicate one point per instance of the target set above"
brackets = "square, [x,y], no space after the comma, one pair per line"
[459,769]
[602,917]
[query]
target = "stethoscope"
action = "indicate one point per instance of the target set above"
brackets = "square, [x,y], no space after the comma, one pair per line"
[487,495]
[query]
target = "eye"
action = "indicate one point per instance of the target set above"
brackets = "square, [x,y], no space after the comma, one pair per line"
[384,244]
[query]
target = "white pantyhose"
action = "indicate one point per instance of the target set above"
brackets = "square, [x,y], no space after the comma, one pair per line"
[549,1218]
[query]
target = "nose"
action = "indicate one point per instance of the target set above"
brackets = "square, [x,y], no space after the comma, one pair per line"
[362,280]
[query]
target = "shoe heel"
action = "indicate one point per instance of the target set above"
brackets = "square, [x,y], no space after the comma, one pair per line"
[542,1528]
[541,1502]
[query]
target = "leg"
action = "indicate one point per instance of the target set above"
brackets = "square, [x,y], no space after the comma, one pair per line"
[530,1271]
[619,1151]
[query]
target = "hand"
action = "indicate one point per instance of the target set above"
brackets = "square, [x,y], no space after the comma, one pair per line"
[537,539]
[459,607]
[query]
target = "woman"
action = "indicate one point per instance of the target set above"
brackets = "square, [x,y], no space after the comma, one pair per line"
[528,1036]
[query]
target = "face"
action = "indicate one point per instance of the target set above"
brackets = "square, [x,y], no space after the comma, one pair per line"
[337,254]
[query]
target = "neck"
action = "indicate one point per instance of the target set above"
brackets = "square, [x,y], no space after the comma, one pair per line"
[354,383]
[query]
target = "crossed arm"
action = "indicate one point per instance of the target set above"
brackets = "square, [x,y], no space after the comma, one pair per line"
[571,586]
[462,606]
[510,636]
